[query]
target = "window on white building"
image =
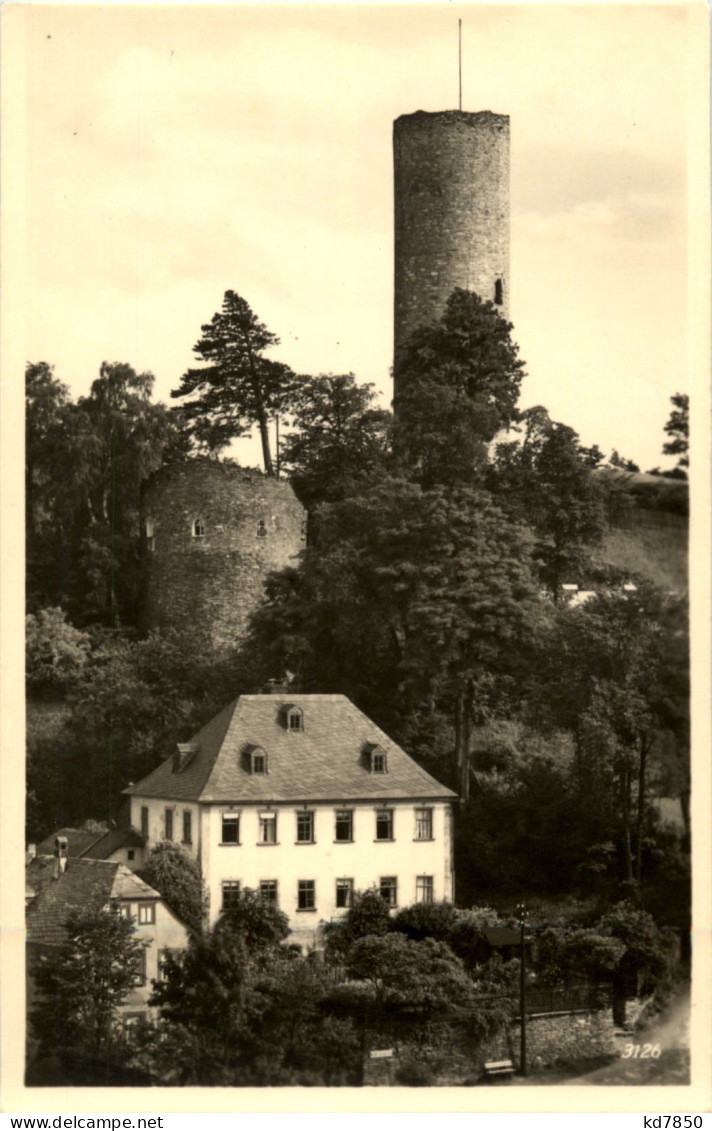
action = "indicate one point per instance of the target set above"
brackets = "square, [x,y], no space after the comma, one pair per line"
[295,719]
[161,959]
[305,827]
[424,889]
[306,895]
[230,894]
[140,961]
[146,913]
[168,824]
[259,762]
[384,824]
[268,891]
[187,827]
[144,821]
[344,893]
[268,828]
[389,890]
[230,828]
[423,824]
[344,829]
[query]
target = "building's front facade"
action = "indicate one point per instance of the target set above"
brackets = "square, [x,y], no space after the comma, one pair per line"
[304,800]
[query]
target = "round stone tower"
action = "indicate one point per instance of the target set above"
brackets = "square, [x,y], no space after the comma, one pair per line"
[212,532]
[451,180]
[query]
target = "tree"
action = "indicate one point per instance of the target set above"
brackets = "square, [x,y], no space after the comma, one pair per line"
[678,427]
[81,984]
[615,674]
[406,597]
[239,386]
[173,873]
[259,924]
[341,438]
[85,465]
[426,921]
[403,971]
[204,996]
[649,952]
[563,955]
[545,479]
[369,914]
[56,653]
[616,460]
[457,385]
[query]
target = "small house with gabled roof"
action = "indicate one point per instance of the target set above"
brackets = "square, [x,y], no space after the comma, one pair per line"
[83,887]
[305,800]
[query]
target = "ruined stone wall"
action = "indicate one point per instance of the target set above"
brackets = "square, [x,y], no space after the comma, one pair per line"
[557,1038]
[451,180]
[205,580]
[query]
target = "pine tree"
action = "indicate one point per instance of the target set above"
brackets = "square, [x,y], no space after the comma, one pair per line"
[238,387]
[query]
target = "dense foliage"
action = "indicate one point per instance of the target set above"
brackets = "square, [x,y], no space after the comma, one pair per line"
[176,876]
[84,464]
[80,985]
[431,594]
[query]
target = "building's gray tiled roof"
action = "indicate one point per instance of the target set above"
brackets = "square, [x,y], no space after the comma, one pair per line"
[40,871]
[85,887]
[324,761]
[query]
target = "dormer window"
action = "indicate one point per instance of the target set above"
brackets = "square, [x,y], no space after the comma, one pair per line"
[198,528]
[262,529]
[376,758]
[257,760]
[295,719]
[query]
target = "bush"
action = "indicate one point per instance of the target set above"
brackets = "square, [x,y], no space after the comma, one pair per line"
[466,936]
[173,873]
[369,914]
[426,921]
[260,924]
[415,1072]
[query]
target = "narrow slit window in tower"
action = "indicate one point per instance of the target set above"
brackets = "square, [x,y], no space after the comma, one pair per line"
[498,292]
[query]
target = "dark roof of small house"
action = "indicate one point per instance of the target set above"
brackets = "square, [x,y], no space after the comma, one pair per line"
[93,845]
[85,887]
[502,936]
[111,842]
[77,841]
[324,761]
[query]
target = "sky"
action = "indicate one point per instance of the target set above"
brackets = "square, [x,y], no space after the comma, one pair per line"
[174,153]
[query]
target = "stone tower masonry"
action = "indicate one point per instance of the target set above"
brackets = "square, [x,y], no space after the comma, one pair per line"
[212,532]
[451,181]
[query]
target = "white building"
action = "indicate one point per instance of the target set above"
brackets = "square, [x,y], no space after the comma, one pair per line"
[304,799]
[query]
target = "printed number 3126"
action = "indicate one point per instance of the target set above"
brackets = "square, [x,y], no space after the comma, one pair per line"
[642,1052]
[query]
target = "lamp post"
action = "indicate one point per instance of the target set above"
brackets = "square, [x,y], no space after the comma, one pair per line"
[522,995]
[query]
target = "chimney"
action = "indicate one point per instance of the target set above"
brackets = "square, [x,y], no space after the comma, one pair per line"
[61,850]
[275,687]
